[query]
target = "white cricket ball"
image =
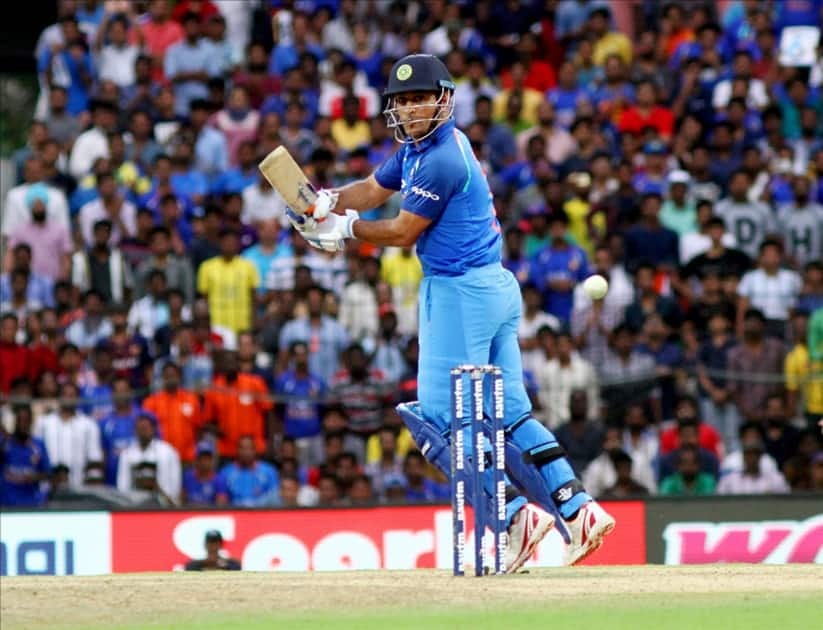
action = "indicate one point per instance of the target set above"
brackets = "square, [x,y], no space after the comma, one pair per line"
[596,287]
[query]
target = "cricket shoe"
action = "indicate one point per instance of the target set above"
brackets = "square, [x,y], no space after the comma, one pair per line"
[528,527]
[587,531]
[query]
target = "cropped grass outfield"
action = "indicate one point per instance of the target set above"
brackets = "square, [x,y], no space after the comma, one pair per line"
[705,597]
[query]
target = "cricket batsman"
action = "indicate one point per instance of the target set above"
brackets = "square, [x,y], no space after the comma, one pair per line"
[469,305]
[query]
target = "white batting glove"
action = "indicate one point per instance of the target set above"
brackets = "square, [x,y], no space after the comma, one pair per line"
[323,205]
[332,233]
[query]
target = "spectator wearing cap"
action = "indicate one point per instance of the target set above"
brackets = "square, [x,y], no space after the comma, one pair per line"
[24,463]
[177,410]
[770,289]
[93,143]
[201,483]
[147,447]
[101,267]
[229,282]
[679,212]
[117,427]
[556,269]
[249,481]
[48,239]
[756,354]
[214,560]
[70,436]
[753,479]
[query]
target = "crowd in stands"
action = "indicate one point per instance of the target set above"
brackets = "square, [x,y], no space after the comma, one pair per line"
[166,338]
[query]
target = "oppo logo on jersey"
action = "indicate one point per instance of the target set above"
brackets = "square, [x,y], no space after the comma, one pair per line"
[425,193]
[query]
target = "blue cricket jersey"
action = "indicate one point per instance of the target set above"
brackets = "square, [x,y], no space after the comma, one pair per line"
[440,179]
[301,415]
[203,491]
[18,461]
[116,433]
[250,487]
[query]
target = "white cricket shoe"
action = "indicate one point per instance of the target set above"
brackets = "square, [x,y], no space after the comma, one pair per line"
[528,527]
[587,531]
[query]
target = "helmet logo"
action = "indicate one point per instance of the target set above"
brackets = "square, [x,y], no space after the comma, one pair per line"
[404,72]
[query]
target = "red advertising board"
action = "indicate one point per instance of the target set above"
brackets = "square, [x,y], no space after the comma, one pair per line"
[300,540]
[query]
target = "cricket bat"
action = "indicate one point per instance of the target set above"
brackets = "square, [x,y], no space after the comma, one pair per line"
[289,180]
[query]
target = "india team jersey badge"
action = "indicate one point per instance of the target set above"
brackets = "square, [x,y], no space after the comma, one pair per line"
[404,72]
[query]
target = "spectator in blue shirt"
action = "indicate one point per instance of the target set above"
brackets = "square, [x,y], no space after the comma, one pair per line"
[211,149]
[70,66]
[190,63]
[303,392]
[117,428]
[245,174]
[558,268]
[420,488]
[648,239]
[250,482]
[567,97]
[201,483]
[24,463]
[286,55]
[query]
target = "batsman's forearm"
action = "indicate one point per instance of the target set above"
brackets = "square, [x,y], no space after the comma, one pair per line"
[359,195]
[384,232]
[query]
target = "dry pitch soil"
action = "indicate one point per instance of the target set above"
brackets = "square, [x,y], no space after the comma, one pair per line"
[107,601]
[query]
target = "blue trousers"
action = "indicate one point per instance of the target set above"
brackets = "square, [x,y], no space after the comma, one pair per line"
[473,318]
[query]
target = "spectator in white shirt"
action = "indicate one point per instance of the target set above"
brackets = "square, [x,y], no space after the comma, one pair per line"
[116,59]
[753,479]
[769,289]
[261,203]
[148,448]
[601,473]
[71,437]
[93,143]
[534,318]
[16,210]
[151,312]
[558,378]
[111,205]
[733,462]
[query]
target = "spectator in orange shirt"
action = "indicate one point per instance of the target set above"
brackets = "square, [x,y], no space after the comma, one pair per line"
[158,35]
[238,404]
[177,411]
[647,113]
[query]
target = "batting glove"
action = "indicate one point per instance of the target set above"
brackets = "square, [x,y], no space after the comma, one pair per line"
[323,205]
[332,233]
[301,222]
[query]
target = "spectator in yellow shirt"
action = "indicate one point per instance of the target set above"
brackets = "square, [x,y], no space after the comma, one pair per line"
[401,270]
[800,377]
[608,42]
[228,282]
[349,131]
[586,226]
